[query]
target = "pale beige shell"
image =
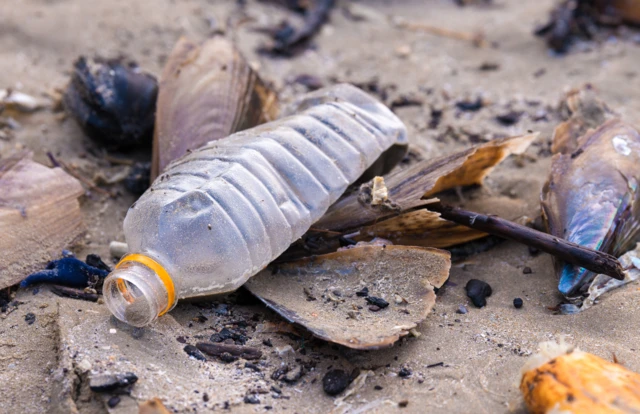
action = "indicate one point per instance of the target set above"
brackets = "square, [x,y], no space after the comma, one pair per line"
[207,92]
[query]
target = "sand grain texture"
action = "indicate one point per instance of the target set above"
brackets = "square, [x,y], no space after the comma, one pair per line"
[481,352]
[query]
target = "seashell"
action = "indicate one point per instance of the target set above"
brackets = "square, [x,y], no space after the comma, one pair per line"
[386,271]
[591,197]
[408,188]
[113,102]
[207,92]
[39,215]
[562,379]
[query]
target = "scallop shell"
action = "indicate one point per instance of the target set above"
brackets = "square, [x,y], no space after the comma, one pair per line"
[207,92]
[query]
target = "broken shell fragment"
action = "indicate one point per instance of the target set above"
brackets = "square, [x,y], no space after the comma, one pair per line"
[39,215]
[20,101]
[591,197]
[114,102]
[208,91]
[563,379]
[426,228]
[408,188]
[602,284]
[408,272]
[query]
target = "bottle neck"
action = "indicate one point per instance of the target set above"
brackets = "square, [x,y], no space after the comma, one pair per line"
[139,290]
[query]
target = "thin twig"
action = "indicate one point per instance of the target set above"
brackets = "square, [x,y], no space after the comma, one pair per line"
[598,262]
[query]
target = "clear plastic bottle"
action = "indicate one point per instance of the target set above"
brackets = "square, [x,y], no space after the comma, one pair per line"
[220,214]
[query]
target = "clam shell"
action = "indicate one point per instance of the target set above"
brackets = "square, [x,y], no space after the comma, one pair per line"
[207,92]
[591,197]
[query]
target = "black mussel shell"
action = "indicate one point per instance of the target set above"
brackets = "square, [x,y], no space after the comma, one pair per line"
[113,101]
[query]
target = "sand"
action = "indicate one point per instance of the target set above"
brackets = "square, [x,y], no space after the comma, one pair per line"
[44,364]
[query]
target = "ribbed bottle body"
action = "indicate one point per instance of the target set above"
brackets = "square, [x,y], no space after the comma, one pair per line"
[220,214]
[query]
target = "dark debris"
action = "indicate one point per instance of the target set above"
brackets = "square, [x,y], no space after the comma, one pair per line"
[30,318]
[375,301]
[113,101]
[192,351]
[478,291]
[111,382]
[67,271]
[335,381]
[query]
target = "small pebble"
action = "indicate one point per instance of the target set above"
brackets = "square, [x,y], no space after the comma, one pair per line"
[294,374]
[113,401]
[335,381]
[400,300]
[222,309]
[517,302]
[462,310]
[192,351]
[379,302]
[509,118]
[374,308]
[404,372]
[403,403]
[30,318]
[111,382]
[251,399]
[112,331]
[527,270]
[478,291]
[378,387]
[205,397]
[468,105]
[363,293]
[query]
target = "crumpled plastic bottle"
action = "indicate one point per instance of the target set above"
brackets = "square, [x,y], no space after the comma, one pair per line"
[220,214]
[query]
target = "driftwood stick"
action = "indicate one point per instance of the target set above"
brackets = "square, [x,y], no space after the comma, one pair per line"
[598,262]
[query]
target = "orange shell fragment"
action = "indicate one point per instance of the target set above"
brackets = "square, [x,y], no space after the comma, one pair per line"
[579,382]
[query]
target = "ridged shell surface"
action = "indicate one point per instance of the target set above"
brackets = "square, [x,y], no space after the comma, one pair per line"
[207,91]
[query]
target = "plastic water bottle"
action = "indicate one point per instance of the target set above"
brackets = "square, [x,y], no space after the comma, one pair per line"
[220,214]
